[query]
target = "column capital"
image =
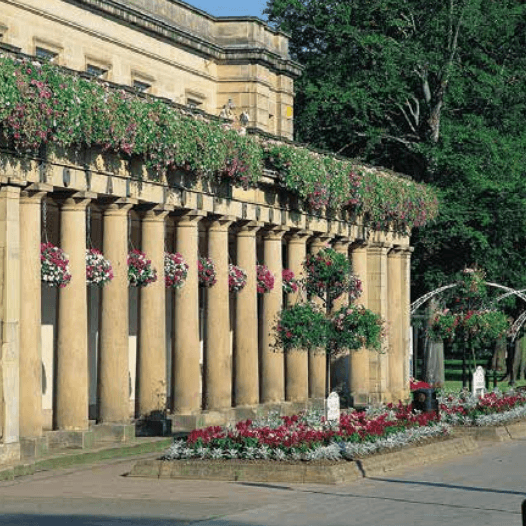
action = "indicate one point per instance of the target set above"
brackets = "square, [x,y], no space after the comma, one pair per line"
[75,200]
[298,237]
[249,228]
[342,244]
[35,192]
[379,247]
[184,218]
[274,232]
[118,206]
[153,214]
[395,251]
[220,223]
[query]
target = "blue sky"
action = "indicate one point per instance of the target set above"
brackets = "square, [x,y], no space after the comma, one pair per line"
[231,7]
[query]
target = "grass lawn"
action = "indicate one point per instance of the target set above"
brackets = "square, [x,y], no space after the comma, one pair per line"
[456,385]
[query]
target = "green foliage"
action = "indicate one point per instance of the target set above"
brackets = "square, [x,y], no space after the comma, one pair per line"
[354,327]
[301,326]
[431,89]
[43,104]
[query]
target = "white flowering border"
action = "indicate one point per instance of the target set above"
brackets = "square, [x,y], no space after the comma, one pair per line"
[334,451]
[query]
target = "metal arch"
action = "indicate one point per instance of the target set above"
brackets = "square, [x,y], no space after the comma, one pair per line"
[507,295]
[518,293]
[422,299]
[517,324]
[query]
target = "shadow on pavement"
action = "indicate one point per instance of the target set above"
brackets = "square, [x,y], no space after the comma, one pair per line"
[22,519]
[450,486]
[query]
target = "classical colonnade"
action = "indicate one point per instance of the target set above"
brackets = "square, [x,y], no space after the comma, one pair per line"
[237,372]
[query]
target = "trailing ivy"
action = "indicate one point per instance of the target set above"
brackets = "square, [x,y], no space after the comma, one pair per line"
[41,103]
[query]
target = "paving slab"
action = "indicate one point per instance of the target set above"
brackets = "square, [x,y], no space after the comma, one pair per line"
[484,488]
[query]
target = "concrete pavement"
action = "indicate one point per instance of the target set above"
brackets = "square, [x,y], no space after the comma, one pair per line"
[485,488]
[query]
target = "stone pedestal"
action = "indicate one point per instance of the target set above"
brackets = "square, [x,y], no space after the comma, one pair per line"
[71,387]
[113,382]
[272,363]
[151,356]
[217,360]
[186,370]
[246,370]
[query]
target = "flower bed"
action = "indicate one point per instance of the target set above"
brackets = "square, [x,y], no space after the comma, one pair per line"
[492,409]
[308,436]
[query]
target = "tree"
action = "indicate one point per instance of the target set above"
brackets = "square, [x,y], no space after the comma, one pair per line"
[315,325]
[432,89]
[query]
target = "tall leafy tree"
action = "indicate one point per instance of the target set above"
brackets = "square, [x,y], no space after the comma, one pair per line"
[434,89]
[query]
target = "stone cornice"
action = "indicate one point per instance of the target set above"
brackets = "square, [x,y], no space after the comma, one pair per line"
[148,23]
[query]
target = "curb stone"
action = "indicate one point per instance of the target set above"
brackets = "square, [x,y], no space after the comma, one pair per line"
[339,472]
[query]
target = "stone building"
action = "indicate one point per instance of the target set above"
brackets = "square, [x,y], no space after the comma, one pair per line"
[76,359]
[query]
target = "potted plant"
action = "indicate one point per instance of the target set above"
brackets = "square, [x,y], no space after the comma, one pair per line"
[99,271]
[54,266]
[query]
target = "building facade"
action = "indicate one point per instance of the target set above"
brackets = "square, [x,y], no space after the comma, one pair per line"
[78,358]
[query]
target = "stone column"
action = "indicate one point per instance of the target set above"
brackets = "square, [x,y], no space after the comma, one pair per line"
[406,316]
[296,361]
[217,361]
[359,365]
[340,364]
[31,419]
[151,355]
[394,309]
[113,366]
[71,388]
[342,247]
[186,370]
[9,320]
[317,358]
[272,362]
[246,375]
[377,298]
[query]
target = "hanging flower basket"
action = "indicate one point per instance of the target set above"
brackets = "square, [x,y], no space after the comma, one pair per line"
[354,326]
[290,283]
[54,265]
[98,269]
[237,278]
[265,279]
[355,287]
[206,272]
[140,270]
[175,270]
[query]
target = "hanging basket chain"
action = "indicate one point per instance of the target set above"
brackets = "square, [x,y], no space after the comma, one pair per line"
[44,220]
[89,244]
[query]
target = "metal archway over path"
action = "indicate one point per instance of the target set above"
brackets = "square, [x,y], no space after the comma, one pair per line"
[519,322]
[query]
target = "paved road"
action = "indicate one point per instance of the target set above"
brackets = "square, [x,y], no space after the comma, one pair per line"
[486,488]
